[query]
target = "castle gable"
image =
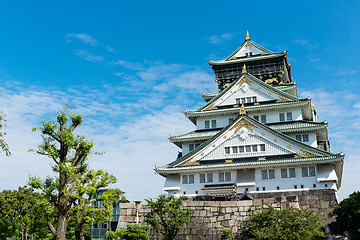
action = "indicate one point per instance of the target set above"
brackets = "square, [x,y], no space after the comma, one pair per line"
[247,89]
[247,138]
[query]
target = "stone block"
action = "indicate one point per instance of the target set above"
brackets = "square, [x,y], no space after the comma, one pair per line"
[294,205]
[244,203]
[241,209]
[202,213]
[257,202]
[231,223]
[214,209]
[268,200]
[228,210]
[243,213]
[228,204]
[227,216]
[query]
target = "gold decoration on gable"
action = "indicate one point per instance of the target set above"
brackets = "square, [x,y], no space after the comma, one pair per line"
[243,123]
[186,163]
[261,158]
[271,80]
[228,161]
[281,99]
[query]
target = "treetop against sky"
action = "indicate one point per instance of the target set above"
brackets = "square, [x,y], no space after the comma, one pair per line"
[132,68]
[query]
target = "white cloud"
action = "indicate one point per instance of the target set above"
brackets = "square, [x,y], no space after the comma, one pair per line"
[89,56]
[345,72]
[87,39]
[219,39]
[340,109]
[129,65]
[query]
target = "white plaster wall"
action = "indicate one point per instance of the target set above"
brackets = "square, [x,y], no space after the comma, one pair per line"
[285,184]
[271,116]
[247,48]
[172,181]
[312,138]
[231,100]
[270,148]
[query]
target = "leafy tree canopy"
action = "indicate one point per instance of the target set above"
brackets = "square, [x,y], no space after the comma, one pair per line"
[287,224]
[132,232]
[74,184]
[3,145]
[348,215]
[166,215]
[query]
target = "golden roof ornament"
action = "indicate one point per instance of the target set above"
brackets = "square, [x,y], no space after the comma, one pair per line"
[244,69]
[247,35]
[242,109]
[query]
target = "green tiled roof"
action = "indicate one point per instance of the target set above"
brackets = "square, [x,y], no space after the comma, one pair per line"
[247,108]
[265,85]
[251,43]
[296,126]
[247,59]
[276,133]
[290,161]
[203,135]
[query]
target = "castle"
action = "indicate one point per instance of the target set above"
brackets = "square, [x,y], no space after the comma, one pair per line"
[254,136]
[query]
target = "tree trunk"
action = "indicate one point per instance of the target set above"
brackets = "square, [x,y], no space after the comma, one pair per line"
[61,227]
[79,233]
[26,232]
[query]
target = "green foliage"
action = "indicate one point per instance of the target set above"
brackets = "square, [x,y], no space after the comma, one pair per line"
[132,232]
[166,216]
[21,213]
[273,224]
[3,145]
[348,215]
[226,234]
[72,189]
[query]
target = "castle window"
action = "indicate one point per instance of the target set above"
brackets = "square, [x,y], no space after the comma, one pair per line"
[277,188]
[248,148]
[302,138]
[213,123]
[262,147]
[241,149]
[314,185]
[254,99]
[305,137]
[243,100]
[295,186]
[263,188]
[225,177]
[256,118]
[257,188]
[288,173]
[282,117]
[210,177]
[308,171]
[193,146]
[248,99]
[268,174]
[235,149]
[202,178]
[187,179]
[302,186]
[238,101]
[263,118]
[254,148]
[207,124]
[289,116]
[196,192]
[227,150]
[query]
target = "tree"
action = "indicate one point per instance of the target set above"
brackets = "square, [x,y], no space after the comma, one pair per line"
[132,232]
[348,215]
[3,145]
[166,216]
[21,214]
[273,224]
[70,191]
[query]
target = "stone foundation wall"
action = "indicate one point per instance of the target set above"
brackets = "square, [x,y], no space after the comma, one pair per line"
[209,217]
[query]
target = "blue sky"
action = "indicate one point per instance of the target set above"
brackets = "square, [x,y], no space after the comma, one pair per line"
[132,67]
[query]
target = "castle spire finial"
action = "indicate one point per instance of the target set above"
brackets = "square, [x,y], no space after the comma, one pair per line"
[242,109]
[244,69]
[247,35]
